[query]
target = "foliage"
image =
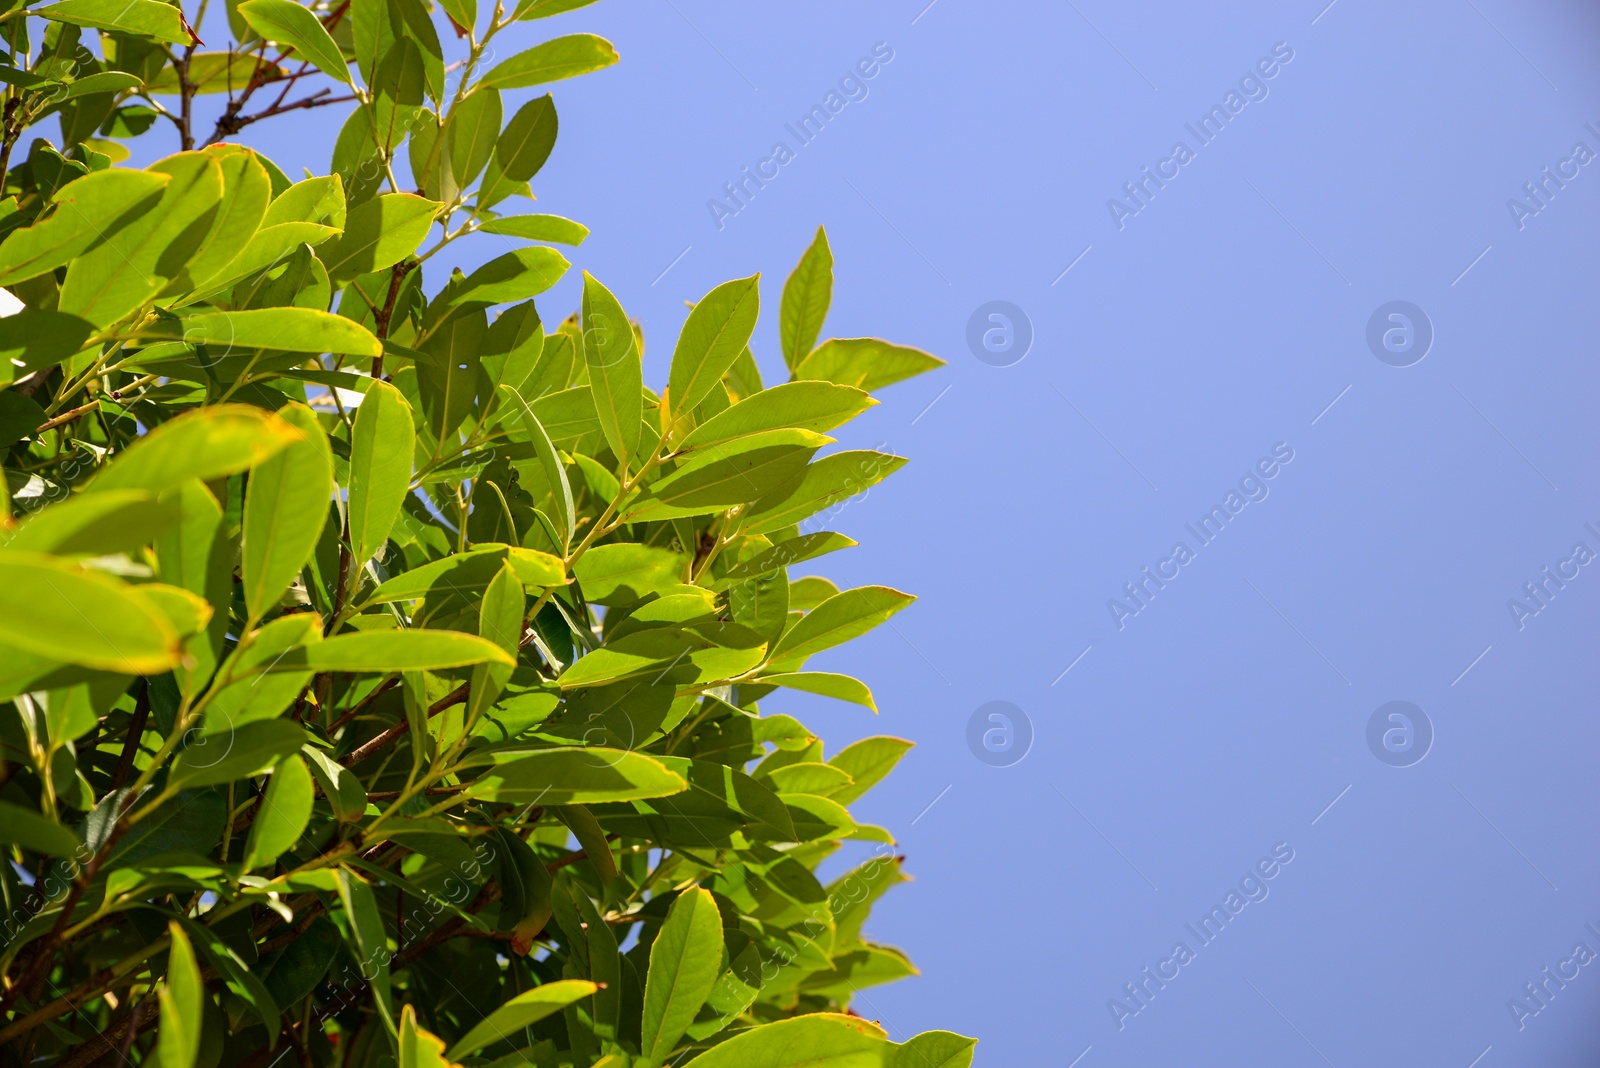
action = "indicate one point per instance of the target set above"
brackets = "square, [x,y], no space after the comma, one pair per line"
[337,607]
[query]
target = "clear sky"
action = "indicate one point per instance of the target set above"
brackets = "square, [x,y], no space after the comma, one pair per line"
[1200,347]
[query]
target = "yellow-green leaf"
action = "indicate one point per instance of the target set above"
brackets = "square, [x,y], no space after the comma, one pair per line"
[55,609]
[563,57]
[292,24]
[284,510]
[380,467]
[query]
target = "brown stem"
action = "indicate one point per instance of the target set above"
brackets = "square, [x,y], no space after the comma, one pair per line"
[68,416]
[382,317]
[378,691]
[135,735]
[454,697]
[113,1039]
[8,136]
[185,98]
[315,100]
[230,121]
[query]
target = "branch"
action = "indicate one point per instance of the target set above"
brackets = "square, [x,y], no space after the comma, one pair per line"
[454,697]
[67,417]
[110,1041]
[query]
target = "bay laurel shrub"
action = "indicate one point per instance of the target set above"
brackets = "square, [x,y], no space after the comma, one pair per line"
[388,675]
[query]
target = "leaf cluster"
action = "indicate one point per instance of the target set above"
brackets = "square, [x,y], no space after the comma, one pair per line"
[385,671]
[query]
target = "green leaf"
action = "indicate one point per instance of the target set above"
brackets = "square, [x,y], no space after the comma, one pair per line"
[250,696]
[87,213]
[295,970]
[341,786]
[525,891]
[207,443]
[865,362]
[933,1049]
[197,554]
[526,1008]
[518,275]
[20,417]
[285,329]
[825,683]
[572,776]
[513,346]
[786,554]
[825,483]
[283,816]
[241,979]
[867,762]
[270,248]
[315,200]
[716,332]
[54,609]
[246,189]
[675,655]
[591,838]
[291,24]
[30,830]
[835,621]
[616,376]
[111,81]
[448,373]
[141,18]
[622,573]
[809,591]
[685,960]
[539,9]
[809,778]
[806,296]
[471,131]
[521,150]
[499,621]
[555,472]
[393,650]
[40,338]
[463,13]
[224,756]
[212,72]
[563,57]
[419,1048]
[284,509]
[569,413]
[817,406]
[135,264]
[371,945]
[373,33]
[729,790]
[815,1040]
[730,473]
[464,573]
[380,467]
[181,999]
[378,234]
[538,228]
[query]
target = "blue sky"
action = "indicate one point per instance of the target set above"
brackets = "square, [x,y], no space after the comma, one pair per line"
[1213,320]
